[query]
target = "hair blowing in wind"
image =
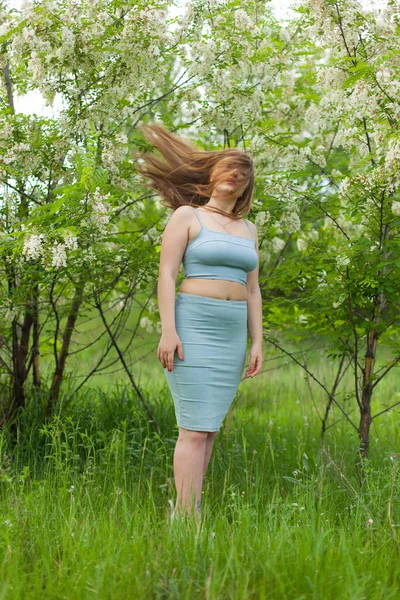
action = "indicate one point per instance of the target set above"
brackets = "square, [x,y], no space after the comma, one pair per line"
[181,175]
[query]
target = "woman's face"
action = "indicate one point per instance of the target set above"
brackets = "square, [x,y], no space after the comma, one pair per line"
[235,179]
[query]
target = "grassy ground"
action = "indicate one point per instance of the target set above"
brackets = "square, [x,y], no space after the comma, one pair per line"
[86,500]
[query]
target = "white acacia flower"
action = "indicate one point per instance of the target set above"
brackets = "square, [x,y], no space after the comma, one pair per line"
[147,324]
[302,244]
[344,186]
[35,65]
[262,217]
[32,248]
[121,138]
[59,256]
[318,156]
[152,306]
[338,302]
[277,244]
[290,222]
[9,311]
[71,241]
[21,147]
[242,19]
[383,74]
[396,208]
[284,35]
[342,260]
[99,216]
[392,158]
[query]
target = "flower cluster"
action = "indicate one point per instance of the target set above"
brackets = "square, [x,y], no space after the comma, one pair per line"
[33,246]
[150,326]
[263,217]
[290,222]
[58,255]
[34,249]
[100,215]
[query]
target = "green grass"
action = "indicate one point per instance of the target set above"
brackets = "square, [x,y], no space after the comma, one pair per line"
[86,501]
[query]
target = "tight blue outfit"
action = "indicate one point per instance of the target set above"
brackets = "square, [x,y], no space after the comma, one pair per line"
[213,332]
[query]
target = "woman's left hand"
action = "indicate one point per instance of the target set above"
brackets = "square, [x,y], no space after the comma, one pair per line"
[255,361]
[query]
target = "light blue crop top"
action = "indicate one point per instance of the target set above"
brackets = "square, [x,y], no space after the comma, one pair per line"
[217,255]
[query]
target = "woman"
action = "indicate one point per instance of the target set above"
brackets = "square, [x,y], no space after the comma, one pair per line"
[204,331]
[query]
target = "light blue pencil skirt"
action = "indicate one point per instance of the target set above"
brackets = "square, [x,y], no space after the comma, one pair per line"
[213,333]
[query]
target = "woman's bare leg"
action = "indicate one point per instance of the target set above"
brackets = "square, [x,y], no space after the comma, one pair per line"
[189,459]
[209,446]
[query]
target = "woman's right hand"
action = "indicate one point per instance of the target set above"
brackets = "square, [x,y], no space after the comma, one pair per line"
[166,349]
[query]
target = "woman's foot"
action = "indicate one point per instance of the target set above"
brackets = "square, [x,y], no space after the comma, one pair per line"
[178,514]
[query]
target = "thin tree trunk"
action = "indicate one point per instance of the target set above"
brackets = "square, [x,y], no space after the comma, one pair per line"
[369,364]
[7,79]
[35,339]
[62,358]
[127,370]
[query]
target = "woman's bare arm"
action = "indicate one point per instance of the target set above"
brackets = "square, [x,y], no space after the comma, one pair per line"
[173,245]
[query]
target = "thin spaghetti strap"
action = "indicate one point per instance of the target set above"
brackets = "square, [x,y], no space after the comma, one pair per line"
[252,236]
[197,215]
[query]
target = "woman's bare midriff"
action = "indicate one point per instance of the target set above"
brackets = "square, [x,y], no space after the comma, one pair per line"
[214,288]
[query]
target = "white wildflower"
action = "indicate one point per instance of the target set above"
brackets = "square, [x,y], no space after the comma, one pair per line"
[305,153]
[262,218]
[9,310]
[242,19]
[284,35]
[99,216]
[277,244]
[71,241]
[396,208]
[35,65]
[302,243]
[8,523]
[32,248]
[147,324]
[21,147]
[4,28]
[342,260]
[392,158]
[290,222]
[318,156]
[283,107]
[89,256]
[344,186]
[152,306]
[121,138]
[383,74]
[339,301]
[59,256]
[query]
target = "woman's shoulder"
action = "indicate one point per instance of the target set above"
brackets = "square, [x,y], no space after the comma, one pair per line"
[252,226]
[182,215]
[184,209]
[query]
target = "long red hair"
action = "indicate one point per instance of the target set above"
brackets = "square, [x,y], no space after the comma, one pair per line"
[182,175]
